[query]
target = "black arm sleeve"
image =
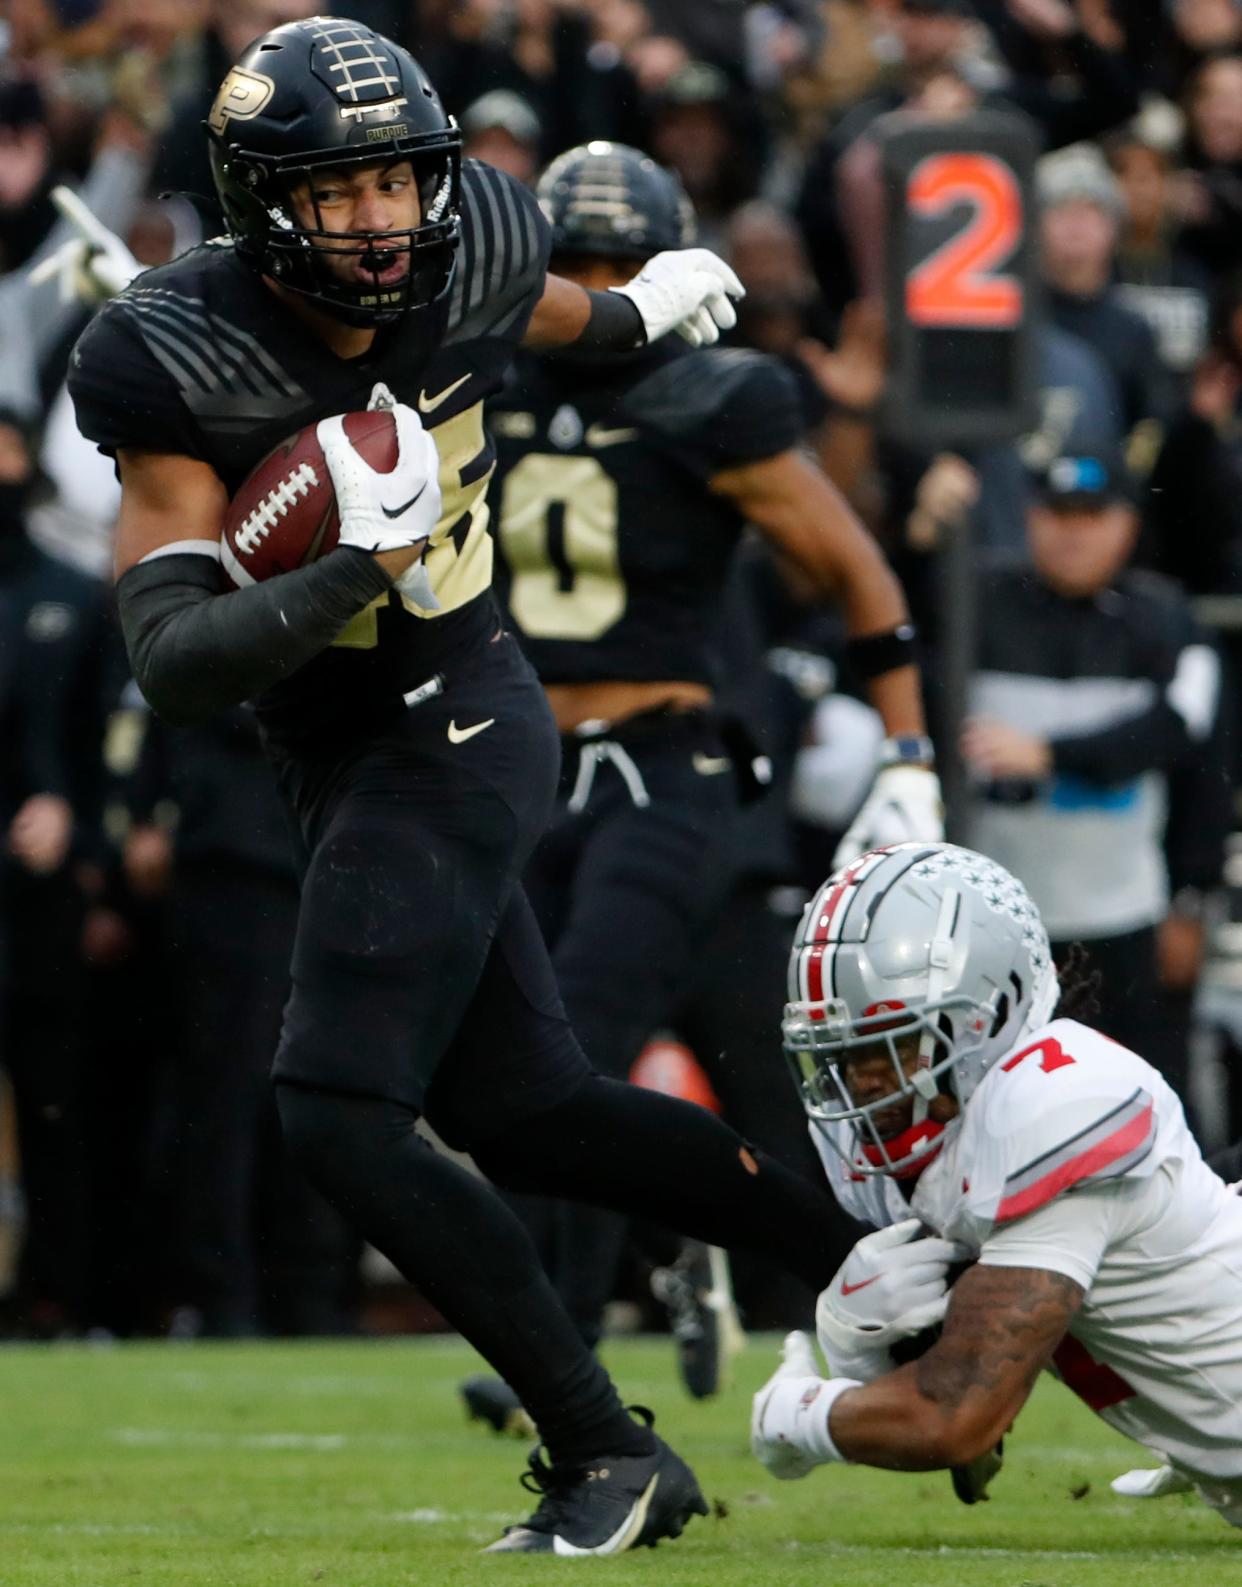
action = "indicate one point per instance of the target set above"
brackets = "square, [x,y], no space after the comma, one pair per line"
[196,648]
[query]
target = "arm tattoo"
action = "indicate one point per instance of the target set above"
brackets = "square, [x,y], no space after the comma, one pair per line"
[1002,1326]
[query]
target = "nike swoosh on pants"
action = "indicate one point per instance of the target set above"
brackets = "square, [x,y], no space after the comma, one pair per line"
[459,735]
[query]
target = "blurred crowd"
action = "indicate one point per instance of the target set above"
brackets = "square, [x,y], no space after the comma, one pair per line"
[147,895]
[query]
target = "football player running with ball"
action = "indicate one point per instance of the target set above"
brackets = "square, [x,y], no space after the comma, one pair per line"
[952,1108]
[366,265]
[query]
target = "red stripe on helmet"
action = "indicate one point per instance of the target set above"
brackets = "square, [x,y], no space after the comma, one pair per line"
[815,973]
[849,876]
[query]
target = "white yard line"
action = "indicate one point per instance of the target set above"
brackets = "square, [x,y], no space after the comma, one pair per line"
[431,1517]
[197,1439]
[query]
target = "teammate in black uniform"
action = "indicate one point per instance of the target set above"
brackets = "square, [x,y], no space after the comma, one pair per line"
[622,490]
[409,734]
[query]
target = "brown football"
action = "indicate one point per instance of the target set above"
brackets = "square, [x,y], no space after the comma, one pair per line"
[284,513]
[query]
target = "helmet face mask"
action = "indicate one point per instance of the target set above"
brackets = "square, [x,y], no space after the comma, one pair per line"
[920,1050]
[930,960]
[331,95]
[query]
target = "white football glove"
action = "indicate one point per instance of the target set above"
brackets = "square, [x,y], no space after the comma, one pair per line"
[904,804]
[1150,1484]
[384,512]
[687,290]
[791,1392]
[91,267]
[892,1285]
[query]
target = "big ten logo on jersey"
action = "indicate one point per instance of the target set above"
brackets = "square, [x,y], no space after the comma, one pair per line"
[959,281]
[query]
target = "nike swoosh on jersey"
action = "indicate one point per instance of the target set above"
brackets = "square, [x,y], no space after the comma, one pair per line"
[710,765]
[600,435]
[625,1534]
[395,512]
[428,404]
[852,1289]
[459,735]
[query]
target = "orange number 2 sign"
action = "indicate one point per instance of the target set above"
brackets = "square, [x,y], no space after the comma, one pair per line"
[957,285]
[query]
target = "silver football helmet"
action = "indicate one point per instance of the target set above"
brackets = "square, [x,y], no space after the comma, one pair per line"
[921,947]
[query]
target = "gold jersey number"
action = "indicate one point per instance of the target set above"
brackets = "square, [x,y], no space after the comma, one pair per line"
[558,532]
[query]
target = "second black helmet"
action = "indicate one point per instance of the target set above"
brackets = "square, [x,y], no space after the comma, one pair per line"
[613,201]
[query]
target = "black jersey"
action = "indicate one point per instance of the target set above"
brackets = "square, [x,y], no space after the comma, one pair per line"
[613,550]
[201,359]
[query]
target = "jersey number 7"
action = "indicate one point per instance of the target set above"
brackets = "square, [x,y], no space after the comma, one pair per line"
[1051,1055]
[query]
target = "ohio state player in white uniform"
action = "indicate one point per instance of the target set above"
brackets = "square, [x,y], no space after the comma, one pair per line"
[953,1114]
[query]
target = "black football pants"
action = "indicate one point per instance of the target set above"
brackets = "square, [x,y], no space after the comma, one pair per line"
[633,866]
[421,983]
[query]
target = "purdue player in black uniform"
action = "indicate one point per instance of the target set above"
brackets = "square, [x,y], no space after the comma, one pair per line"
[621,492]
[409,734]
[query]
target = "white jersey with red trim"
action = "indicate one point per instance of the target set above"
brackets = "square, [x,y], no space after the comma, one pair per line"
[1074,1155]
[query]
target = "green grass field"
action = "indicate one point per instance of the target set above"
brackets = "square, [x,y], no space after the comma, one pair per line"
[351,1465]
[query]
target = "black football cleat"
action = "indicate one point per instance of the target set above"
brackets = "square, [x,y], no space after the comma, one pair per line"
[698,1295]
[491,1400]
[605,1506]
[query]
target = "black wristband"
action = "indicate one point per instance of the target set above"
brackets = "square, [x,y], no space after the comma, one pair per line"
[872,655]
[615,325]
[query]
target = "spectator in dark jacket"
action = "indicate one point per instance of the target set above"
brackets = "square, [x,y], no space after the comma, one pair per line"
[1094,690]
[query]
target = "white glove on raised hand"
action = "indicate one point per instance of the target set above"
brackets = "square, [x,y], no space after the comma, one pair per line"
[893,1284]
[904,804]
[91,267]
[687,290]
[384,512]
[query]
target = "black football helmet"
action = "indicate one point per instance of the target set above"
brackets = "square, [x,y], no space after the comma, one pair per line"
[330,92]
[615,202]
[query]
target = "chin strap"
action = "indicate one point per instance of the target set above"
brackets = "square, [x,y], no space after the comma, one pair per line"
[919,1141]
